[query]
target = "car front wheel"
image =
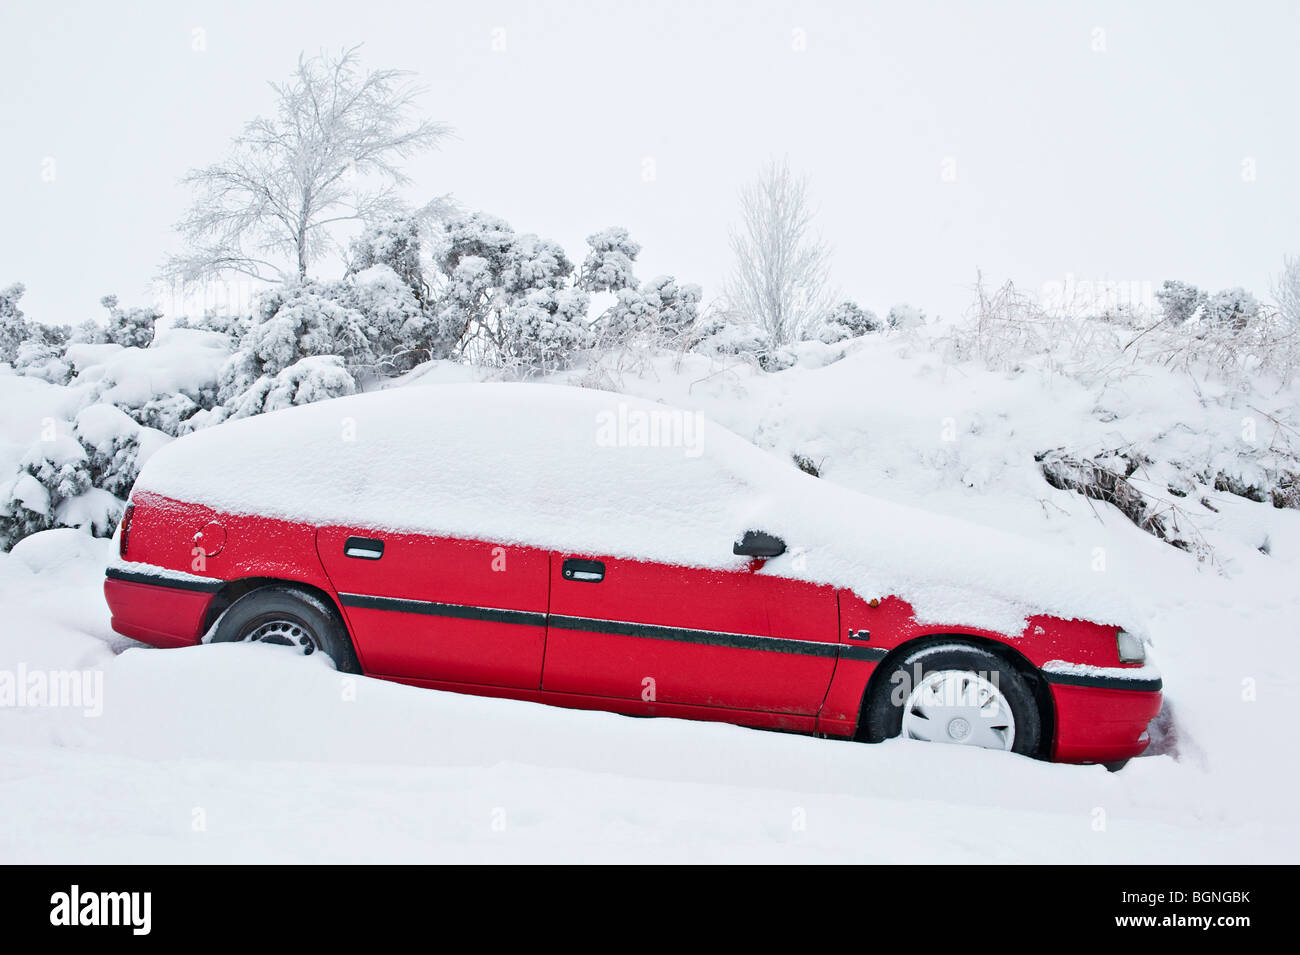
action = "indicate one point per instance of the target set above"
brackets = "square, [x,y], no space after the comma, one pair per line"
[958,694]
[285,616]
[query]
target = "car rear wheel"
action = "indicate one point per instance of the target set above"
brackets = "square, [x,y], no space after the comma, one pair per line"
[958,694]
[285,616]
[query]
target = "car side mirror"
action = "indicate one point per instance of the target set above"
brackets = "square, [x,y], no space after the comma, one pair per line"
[758,544]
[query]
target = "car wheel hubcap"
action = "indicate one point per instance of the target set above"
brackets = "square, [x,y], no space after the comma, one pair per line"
[285,633]
[959,706]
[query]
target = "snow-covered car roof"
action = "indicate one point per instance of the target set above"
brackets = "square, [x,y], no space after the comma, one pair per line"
[592,472]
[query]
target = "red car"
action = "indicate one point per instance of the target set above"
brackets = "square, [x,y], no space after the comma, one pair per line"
[588,550]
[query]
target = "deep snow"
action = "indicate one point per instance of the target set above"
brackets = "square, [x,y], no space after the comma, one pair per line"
[234,753]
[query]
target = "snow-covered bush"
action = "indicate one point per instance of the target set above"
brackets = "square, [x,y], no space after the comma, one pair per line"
[13,323]
[167,413]
[610,265]
[50,474]
[674,307]
[660,312]
[905,316]
[32,348]
[395,243]
[1233,308]
[130,327]
[315,378]
[38,359]
[232,325]
[294,322]
[111,440]
[847,320]
[1179,301]
[509,300]
[402,332]
[540,330]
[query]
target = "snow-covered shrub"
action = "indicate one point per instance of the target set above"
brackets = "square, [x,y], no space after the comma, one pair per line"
[315,378]
[231,325]
[540,330]
[660,312]
[905,316]
[847,320]
[395,243]
[1179,301]
[509,300]
[167,413]
[111,440]
[38,359]
[13,323]
[89,332]
[303,320]
[50,474]
[721,335]
[610,265]
[32,348]
[130,327]
[403,333]
[674,307]
[1231,308]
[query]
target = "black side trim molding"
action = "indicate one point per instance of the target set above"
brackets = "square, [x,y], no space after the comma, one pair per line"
[870,654]
[713,638]
[1104,682]
[460,611]
[158,580]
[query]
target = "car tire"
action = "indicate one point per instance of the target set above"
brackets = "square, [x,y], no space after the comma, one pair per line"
[952,677]
[291,617]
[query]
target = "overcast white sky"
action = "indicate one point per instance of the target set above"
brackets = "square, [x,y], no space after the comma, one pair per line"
[1124,163]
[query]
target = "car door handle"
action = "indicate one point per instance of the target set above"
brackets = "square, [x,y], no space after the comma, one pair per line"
[588,571]
[367,548]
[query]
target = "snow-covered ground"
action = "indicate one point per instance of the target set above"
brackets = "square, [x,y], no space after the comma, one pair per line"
[238,753]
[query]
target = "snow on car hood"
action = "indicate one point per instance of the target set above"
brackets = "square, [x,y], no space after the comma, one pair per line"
[592,472]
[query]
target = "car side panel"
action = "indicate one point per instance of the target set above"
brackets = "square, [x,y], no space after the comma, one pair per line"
[440,608]
[682,656]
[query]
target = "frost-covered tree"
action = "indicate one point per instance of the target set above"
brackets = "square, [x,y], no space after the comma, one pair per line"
[1179,301]
[848,320]
[329,154]
[781,268]
[130,327]
[610,265]
[1286,292]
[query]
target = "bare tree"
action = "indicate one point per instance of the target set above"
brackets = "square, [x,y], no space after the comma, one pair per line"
[781,269]
[328,155]
[1286,292]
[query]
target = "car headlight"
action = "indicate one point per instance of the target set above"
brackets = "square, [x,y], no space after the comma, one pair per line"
[1130,648]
